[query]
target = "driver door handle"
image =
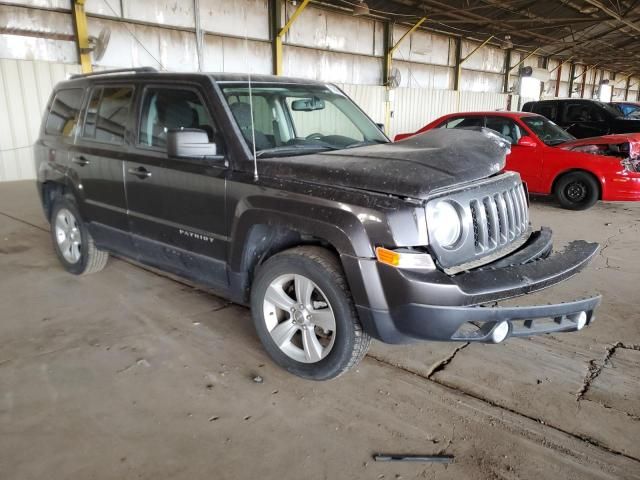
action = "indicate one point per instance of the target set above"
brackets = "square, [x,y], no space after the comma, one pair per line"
[139,172]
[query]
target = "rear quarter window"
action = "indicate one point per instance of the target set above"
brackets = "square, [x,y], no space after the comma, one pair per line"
[62,118]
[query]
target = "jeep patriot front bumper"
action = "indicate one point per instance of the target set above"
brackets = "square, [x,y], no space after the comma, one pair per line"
[400,306]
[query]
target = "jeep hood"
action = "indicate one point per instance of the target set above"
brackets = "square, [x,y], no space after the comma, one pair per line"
[415,167]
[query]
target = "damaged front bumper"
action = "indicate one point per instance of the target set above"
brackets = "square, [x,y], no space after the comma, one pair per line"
[400,306]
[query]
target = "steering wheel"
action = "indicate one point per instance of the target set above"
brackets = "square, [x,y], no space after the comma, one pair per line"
[315,136]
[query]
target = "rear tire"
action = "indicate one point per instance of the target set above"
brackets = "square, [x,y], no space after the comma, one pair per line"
[304,314]
[72,241]
[577,190]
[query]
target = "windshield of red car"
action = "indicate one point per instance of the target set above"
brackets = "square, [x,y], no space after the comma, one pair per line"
[547,131]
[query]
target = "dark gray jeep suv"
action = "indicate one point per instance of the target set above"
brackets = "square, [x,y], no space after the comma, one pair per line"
[282,194]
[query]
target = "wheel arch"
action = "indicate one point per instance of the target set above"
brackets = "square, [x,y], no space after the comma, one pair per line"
[259,234]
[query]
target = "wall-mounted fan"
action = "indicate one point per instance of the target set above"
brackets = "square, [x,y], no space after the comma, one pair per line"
[395,77]
[98,45]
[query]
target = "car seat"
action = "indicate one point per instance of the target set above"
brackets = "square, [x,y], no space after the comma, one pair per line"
[242,113]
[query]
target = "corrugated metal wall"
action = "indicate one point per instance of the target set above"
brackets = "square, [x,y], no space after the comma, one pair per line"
[24,90]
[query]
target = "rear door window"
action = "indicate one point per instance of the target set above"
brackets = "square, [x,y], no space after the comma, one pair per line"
[63,115]
[107,114]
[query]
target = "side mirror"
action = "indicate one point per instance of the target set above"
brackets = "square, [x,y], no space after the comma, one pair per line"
[527,141]
[190,143]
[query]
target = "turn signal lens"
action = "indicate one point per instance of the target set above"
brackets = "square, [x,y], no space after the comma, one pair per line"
[404,258]
[388,256]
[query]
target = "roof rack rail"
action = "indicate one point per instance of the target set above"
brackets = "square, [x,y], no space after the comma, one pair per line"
[115,70]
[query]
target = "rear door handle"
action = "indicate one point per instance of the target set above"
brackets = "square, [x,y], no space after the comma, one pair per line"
[139,172]
[82,161]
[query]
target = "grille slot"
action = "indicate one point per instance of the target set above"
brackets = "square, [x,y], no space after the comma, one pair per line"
[499,219]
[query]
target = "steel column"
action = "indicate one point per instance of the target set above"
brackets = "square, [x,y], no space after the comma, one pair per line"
[82,35]
[460,61]
[281,32]
[507,69]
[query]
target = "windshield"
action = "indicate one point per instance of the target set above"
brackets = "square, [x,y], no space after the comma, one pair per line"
[299,119]
[547,131]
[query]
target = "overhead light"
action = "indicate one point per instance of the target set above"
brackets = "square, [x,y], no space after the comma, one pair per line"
[361,8]
[588,10]
[507,43]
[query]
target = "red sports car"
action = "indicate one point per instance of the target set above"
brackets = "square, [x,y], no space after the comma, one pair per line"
[550,161]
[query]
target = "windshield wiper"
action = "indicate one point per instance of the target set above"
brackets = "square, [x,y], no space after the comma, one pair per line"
[556,142]
[293,149]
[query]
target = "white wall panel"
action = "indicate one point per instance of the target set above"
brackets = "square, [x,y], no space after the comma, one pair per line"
[415,107]
[487,58]
[241,55]
[20,47]
[331,66]
[42,3]
[164,12]
[474,81]
[236,17]
[109,8]
[134,45]
[369,98]
[417,75]
[423,47]
[323,29]
[25,87]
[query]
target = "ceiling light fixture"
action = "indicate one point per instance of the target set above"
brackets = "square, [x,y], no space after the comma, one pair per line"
[507,43]
[361,8]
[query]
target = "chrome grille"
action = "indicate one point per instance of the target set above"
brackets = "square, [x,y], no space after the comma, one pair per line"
[495,221]
[499,218]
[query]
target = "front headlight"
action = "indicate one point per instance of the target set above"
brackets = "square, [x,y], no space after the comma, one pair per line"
[445,224]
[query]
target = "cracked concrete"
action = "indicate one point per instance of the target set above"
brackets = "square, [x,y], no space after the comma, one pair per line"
[146,377]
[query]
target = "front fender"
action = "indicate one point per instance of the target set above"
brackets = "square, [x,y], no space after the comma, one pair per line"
[340,227]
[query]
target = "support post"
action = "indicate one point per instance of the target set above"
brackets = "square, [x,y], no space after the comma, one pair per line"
[389,48]
[507,69]
[460,61]
[558,79]
[626,88]
[82,35]
[387,43]
[572,71]
[199,36]
[457,73]
[281,32]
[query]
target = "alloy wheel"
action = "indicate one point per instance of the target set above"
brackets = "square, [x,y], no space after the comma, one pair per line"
[68,235]
[299,318]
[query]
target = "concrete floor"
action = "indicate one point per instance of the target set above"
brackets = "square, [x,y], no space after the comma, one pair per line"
[128,374]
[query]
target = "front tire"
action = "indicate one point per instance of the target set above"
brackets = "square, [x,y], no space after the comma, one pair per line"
[304,314]
[72,241]
[577,191]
